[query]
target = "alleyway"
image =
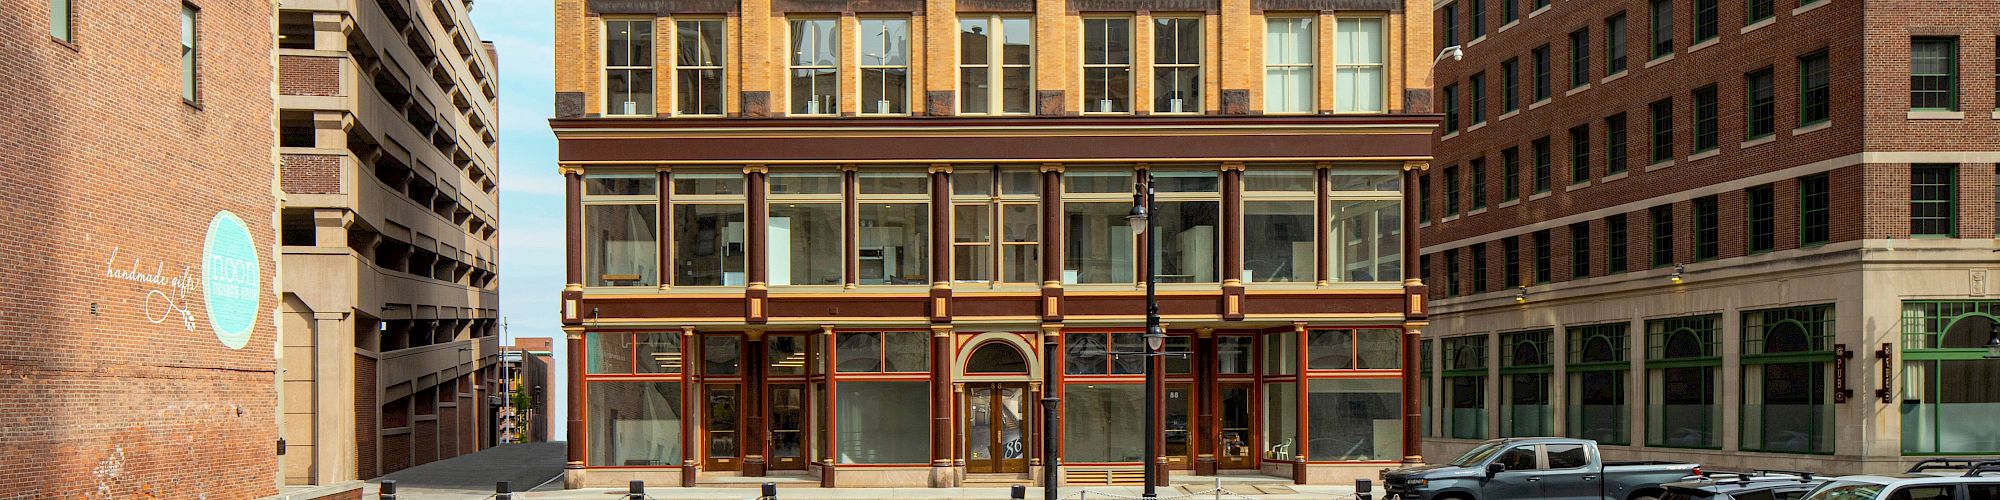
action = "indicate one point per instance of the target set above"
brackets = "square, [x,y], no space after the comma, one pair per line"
[472,476]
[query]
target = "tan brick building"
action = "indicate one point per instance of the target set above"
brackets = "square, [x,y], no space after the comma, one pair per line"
[1745,234]
[859,243]
[138,238]
[387,114]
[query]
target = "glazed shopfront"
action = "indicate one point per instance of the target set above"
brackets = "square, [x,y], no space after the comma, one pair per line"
[753,303]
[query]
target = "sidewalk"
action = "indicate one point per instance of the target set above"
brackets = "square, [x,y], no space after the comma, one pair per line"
[790,493]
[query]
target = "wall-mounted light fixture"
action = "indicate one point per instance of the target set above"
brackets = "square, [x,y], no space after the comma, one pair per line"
[1680,273]
[1993,342]
[1521,294]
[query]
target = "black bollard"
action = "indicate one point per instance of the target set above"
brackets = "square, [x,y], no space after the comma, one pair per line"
[388,491]
[1363,489]
[1019,492]
[770,491]
[503,490]
[637,491]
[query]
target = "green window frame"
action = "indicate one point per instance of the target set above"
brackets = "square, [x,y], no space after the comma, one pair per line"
[1451,191]
[1477,186]
[1934,74]
[1787,365]
[1542,86]
[1479,268]
[1599,370]
[1429,411]
[1544,260]
[1509,11]
[1763,224]
[1707,228]
[1510,174]
[1614,43]
[1579,154]
[1706,24]
[1942,345]
[1683,382]
[1451,279]
[1815,210]
[1934,201]
[1478,98]
[1579,58]
[1525,382]
[1761,104]
[1510,257]
[1451,109]
[1662,218]
[1464,373]
[1475,14]
[1663,28]
[1542,165]
[1615,154]
[1449,18]
[1510,85]
[1707,119]
[1616,248]
[1663,130]
[1815,96]
[1759,10]
[1579,250]
[1424,198]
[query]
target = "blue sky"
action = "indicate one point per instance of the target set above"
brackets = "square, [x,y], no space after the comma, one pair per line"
[531,204]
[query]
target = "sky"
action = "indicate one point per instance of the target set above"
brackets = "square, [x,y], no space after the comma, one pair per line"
[531,193]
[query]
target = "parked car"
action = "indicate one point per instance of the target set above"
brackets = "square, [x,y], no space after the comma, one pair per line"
[1755,485]
[1978,481]
[1553,468]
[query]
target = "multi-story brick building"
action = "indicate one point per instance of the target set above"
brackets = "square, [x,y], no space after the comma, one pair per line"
[138,238]
[859,241]
[1742,233]
[387,117]
[528,373]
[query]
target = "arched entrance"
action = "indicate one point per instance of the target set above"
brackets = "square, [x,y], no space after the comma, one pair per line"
[997,427]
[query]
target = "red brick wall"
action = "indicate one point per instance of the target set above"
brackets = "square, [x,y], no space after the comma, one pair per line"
[426,441]
[308,75]
[396,450]
[448,432]
[366,429]
[310,174]
[106,168]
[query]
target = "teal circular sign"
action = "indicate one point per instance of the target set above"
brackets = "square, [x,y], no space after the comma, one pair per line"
[229,279]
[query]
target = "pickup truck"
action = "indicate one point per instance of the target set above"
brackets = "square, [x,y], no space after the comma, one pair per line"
[1552,468]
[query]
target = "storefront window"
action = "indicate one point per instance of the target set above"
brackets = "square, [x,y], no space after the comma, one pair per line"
[635,423]
[1787,362]
[1281,418]
[1355,419]
[1233,354]
[804,228]
[1098,241]
[1465,387]
[1103,422]
[608,352]
[709,225]
[658,352]
[786,354]
[621,229]
[1278,224]
[1525,370]
[883,422]
[1944,346]
[1281,353]
[1091,353]
[1189,211]
[876,352]
[894,227]
[1598,370]
[1683,364]
[722,354]
[1365,349]
[1367,225]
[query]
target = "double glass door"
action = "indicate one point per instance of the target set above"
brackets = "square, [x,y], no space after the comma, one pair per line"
[996,432]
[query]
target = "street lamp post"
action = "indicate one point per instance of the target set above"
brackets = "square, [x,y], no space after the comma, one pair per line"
[1156,337]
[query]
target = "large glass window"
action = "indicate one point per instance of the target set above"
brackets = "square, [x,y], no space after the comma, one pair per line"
[1367,219]
[1357,79]
[1934,73]
[1281,421]
[698,66]
[1599,365]
[1288,64]
[804,227]
[1787,362]
[1098,242]
[1107,65]
[1097,353]
[709,227]
[1234,354]
[1347,349]
[628,67]
[1465,387]
[894,228]
[1943,347]
[1278,225]
[1355,419]
[815,66]
[1103,422]
[1188,218]
[1525,372]
[1934,200]
[1177,51]
[882,422]
[996,225]
[882,352]
[635,423]
[621,229]
[995,64]
[885,66]
[1683,365]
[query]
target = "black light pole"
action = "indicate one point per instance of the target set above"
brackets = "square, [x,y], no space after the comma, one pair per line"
[1156,337]
[1049,401]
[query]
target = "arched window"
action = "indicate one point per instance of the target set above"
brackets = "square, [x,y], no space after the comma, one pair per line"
[996,357]
[1971,331]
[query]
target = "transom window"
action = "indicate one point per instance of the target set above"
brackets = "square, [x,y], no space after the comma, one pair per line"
[815,66]
[1087,353]
[882,352]
[995,65]
[628,67]
[1107,65]
[996,224]
[885,66]
[1354,349]
[1177,52]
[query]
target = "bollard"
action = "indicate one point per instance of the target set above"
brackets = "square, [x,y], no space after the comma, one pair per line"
[770,491]
[1018,492]
[388,491]
[503,490]
[637,491]
[1363,489]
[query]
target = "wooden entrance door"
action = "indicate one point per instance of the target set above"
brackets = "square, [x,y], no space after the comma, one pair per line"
[1236,447]
[787,421]
[1179,428]
[722,419]
[996,432]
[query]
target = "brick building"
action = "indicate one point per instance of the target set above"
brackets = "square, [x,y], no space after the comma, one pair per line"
[387,115]
[1744,233]
[138,231]
[859,242]
[530,372]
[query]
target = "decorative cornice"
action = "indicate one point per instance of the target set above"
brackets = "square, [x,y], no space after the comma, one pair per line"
[1417,165]
[569,170]
[940,168]
[756,168]
[849,167]
[1052,167]
[1232,165]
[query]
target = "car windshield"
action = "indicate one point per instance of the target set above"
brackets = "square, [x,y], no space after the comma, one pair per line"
[1845,490]
[1479,454]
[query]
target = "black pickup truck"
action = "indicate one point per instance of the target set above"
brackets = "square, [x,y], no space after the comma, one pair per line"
[1552,468]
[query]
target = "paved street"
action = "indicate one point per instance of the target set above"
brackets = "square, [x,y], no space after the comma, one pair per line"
[472,476]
